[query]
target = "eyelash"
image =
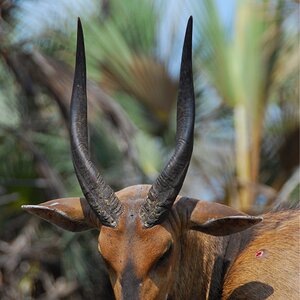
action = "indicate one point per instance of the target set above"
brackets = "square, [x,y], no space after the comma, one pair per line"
[163,259]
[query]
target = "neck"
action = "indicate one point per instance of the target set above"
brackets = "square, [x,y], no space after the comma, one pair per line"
[204,262]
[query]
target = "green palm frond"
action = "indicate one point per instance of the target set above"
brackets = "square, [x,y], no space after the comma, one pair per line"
[121,51]
[248,66]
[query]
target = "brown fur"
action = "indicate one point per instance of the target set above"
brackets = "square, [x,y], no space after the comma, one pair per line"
[176,259]
[275,275]
[204,266]
[227,268]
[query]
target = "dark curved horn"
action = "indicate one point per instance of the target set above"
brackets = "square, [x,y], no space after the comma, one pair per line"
[168,184]
[99,195]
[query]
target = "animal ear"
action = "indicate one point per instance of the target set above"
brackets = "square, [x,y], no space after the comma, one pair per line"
[213,218]
[73,214]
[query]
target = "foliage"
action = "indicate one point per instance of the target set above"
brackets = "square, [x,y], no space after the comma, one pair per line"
[243,67]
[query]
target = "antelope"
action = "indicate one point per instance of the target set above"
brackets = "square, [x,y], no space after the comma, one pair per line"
[159,245]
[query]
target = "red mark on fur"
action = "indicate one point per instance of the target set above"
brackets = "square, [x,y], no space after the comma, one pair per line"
[259,253]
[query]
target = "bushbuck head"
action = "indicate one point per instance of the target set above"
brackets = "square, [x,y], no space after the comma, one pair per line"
[140,227]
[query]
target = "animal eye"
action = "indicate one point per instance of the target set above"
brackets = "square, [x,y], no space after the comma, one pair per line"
[165,257]
[108,265]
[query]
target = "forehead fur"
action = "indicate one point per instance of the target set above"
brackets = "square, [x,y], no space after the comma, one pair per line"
[132,198]
[134,193]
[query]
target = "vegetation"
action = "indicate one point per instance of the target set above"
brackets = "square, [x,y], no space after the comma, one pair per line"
[246,151]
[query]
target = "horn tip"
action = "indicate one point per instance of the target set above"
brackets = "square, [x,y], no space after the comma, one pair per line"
[189,26]
[79,26]
[80,55]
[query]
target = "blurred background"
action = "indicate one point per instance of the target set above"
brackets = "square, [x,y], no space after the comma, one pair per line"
[246,152]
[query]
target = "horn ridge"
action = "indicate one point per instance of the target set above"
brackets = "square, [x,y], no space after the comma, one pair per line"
[165,189]
[99,195]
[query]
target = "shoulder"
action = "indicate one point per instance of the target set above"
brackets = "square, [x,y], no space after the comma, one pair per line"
[269,265]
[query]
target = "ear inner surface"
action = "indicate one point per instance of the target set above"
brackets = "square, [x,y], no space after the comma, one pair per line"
[72,214]
[227,225]
[213,218]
